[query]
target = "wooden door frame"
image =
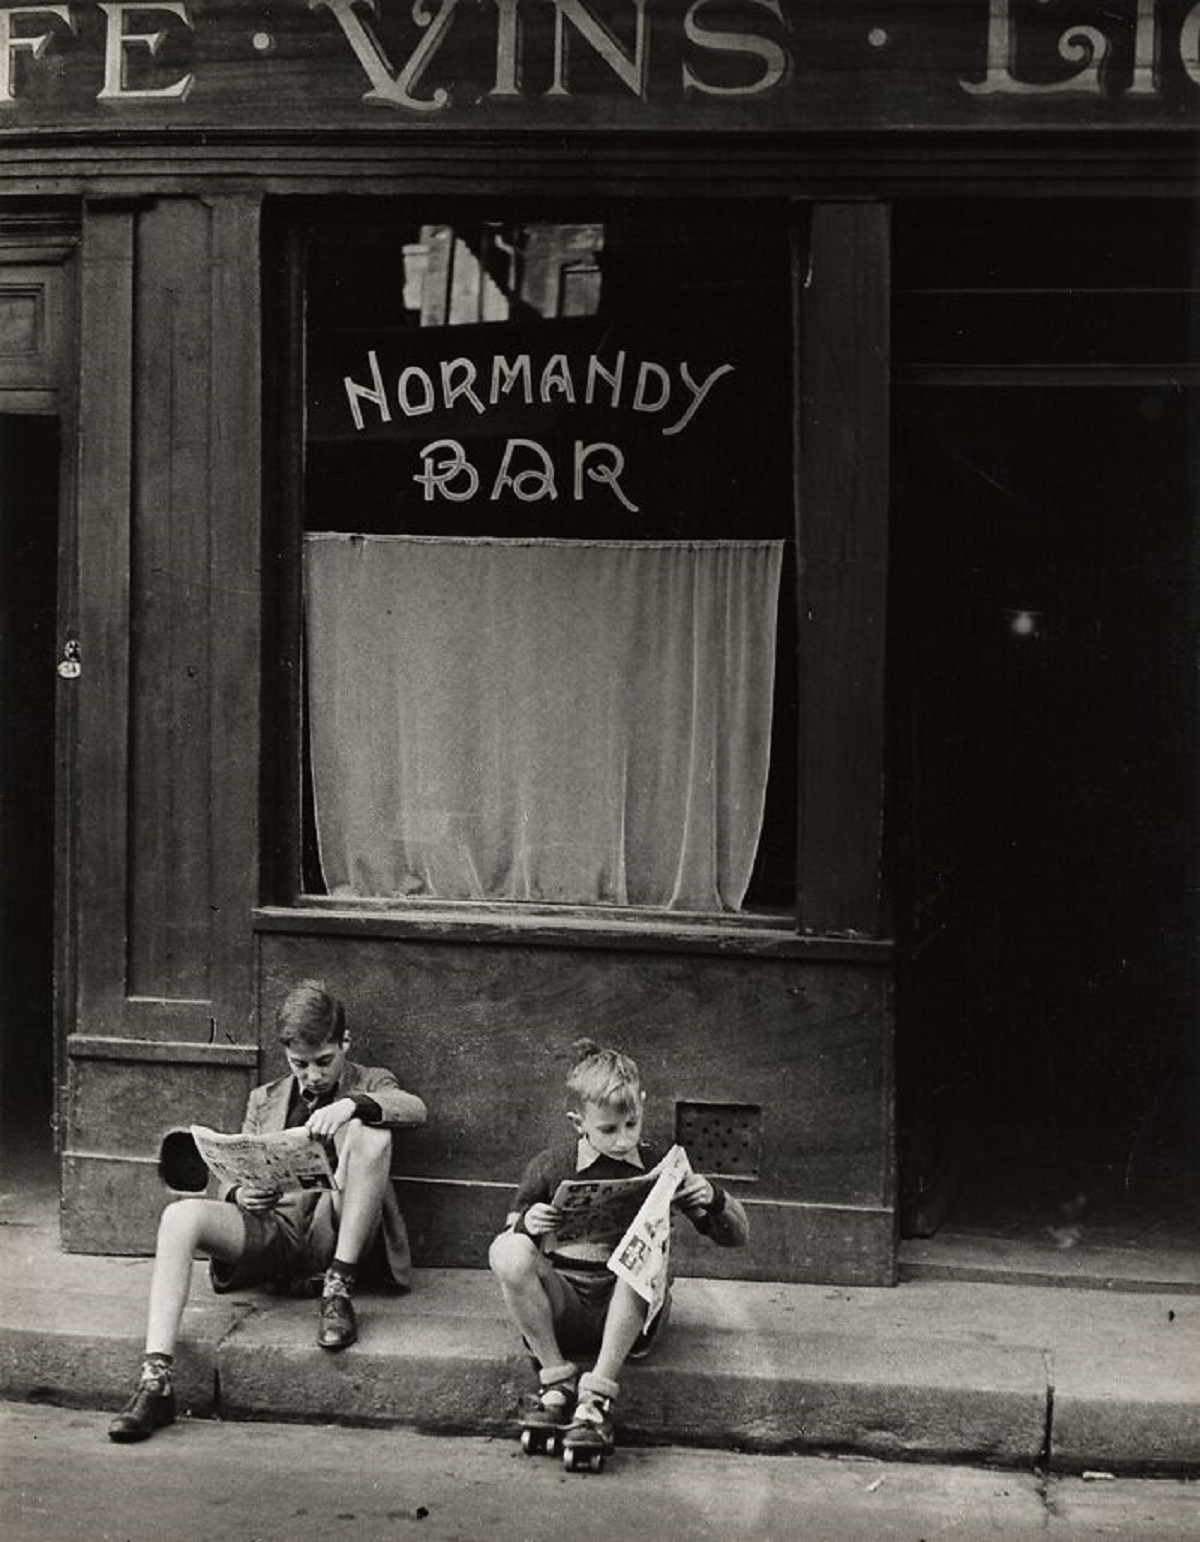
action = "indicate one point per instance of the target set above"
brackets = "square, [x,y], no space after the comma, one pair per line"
[38,270]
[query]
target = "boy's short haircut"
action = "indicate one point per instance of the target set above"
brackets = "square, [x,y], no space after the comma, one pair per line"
[310,1015]
[604,1077]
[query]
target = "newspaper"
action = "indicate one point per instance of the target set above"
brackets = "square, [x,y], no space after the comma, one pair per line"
[642,1258]
[283,1159]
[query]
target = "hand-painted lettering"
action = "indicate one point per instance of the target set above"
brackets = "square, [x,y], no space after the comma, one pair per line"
[375,392]
[431,57]
[35,45]
[118,42]
[505,377]
[606,473]
[436,476]
[1145,50]
[458,379]
[413,379]
[611,377]
[671,392]
[531,485]
[388,89]
[526,472]
[775,60]
[631,72]
[526,469]
[699,392]
[1189,44]
[1086,46]
[649,375]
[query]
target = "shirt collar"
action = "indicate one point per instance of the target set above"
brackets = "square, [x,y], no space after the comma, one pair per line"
[586,1154]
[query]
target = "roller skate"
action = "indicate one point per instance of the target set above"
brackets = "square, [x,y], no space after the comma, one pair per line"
[545,1416]
[591,1437]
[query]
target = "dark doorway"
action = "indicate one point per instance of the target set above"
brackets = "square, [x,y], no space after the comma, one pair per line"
[1047,745]
[29,472]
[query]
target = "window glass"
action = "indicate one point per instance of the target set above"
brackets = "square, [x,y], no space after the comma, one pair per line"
[577,436]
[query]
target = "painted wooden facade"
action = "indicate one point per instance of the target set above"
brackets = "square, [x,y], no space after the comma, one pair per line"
[155,162]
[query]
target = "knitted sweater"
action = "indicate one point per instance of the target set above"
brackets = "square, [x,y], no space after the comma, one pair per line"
[724,1221]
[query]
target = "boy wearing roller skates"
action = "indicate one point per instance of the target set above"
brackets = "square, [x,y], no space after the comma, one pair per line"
[567,1302]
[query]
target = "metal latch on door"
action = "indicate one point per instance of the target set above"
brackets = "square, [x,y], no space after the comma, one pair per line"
[70,666]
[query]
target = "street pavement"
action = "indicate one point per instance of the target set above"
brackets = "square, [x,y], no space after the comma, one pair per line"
[62,1481]
[1034,1379]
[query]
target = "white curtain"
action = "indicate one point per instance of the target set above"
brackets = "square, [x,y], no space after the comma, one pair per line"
[582,722]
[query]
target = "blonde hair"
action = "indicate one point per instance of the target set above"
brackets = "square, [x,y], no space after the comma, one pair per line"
[604,1077]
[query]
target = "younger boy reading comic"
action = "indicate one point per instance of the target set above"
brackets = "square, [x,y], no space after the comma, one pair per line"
[567,1301]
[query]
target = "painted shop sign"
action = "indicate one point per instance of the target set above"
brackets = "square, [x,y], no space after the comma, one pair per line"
[551,424]
[180,65]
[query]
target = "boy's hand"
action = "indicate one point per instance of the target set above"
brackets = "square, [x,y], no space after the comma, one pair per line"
[257,1199]
[540,1219]
[695,1192]
[327,1121]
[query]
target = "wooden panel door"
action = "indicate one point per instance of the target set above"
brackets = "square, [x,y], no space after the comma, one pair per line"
[168,564]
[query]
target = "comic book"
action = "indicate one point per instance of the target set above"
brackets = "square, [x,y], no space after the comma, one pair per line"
[592,1207]
[282,1159]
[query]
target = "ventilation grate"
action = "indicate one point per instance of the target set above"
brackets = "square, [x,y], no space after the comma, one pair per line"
[721,1138]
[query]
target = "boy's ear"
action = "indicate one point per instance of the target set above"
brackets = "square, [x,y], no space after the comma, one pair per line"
[575,1119]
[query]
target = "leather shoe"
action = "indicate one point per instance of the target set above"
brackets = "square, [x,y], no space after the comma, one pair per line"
[337,1327]
[150,1408]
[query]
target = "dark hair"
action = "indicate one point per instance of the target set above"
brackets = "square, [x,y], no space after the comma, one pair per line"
[604,1077]
[310,1015]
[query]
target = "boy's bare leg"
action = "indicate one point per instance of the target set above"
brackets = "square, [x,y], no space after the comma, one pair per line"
[363,1170]
[186,1226]
[526,1282]
[625,1320]
[590,1436]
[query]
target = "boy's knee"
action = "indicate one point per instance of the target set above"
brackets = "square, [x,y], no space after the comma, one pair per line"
[369,1142]
[511,1255]
[181,1219]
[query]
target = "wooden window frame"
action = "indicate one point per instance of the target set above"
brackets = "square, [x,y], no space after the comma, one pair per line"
[840,315]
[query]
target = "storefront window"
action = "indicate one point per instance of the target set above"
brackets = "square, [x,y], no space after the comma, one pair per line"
[547,527]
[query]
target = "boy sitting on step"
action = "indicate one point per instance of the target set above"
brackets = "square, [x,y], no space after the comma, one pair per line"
[265,1237]
[568,1300]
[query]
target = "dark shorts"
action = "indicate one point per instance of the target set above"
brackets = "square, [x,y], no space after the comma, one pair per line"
[582,1306]
[285,1247]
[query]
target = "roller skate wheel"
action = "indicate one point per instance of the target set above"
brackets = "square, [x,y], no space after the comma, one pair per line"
[596,1463]
[527,1442]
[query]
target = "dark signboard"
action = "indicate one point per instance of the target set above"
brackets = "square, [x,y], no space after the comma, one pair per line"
[545,378]
[738,65]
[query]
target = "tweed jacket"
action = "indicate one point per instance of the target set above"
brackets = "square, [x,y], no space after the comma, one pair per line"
[266,1110]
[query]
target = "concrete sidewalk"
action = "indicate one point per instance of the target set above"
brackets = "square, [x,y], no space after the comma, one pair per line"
[1060,1379]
